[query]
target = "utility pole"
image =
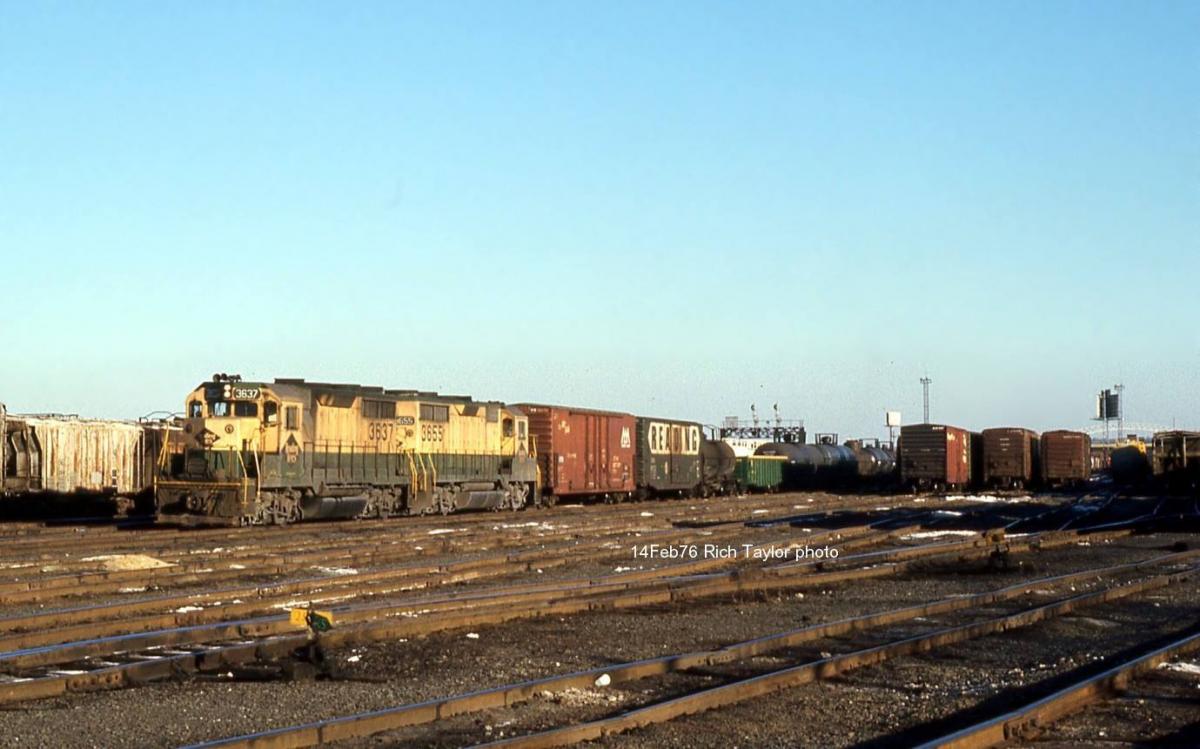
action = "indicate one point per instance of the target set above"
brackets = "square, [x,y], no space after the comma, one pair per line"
[925,383]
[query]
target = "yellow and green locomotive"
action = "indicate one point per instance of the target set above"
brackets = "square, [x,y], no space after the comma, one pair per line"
[292,450]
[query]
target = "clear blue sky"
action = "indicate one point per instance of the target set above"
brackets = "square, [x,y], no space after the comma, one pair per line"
[675,208]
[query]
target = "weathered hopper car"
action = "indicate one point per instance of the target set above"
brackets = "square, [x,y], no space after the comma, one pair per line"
[1176,460]
[66,454]
[293,450]
[717,464]
[582,453]
[936,456]
[760,473]
[668,457]
[1010,457]
[1066,457]
[51,464]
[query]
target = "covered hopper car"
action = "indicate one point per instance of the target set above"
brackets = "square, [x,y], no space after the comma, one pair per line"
[51,463]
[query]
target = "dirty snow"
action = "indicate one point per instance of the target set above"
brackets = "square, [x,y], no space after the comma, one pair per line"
[1183,668]
[122,562]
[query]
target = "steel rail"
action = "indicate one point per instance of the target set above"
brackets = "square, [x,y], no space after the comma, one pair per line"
[758,686]
[377,721]
[390,623]
[1030,720]
[45,647]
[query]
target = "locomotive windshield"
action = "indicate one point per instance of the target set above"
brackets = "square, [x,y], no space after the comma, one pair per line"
[232,408]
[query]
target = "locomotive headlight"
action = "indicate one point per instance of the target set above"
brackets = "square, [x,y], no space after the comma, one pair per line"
[227,390]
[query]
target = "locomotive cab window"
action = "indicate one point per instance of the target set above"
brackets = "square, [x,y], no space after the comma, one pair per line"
[195,409]
[242,408]
[291,417]
[271,412]
[218,408]
[508,427]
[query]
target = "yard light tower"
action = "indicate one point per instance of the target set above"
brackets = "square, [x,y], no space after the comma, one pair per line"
[925,383]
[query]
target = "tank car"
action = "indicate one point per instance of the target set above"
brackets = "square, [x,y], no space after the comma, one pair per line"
[801,463]
[876,463]
[290,450]
[717,464]
[1130,465]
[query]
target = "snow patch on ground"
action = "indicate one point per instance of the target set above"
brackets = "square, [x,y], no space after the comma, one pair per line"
[122,562]
[1183,668]
[986,498]
[938,534]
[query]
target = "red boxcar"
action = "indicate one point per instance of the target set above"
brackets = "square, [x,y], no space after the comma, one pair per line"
[1066,457]
[582,453]
[936,455]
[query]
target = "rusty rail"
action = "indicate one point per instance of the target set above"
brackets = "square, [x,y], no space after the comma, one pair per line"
[758,686]
[377,721]
[1028,721]
[123,635]
[382,624]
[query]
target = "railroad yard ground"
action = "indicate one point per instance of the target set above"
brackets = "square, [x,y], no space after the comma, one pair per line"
[727,622]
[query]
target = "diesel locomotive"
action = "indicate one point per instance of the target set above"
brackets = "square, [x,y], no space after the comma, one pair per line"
[290,450]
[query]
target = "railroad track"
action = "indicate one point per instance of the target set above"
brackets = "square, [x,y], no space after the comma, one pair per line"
[1034,719]
[82,665]
[45,627]
[738,689]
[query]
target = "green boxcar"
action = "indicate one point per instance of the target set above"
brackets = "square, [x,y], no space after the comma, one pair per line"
[759,472]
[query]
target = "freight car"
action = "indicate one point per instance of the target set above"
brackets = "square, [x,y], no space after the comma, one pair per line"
[717,466]
[668,457]
[52,463]
[1010,457]
[758,473]
[1176,460]
[1065,458]
[290,450]
[1130,465]
[582,453]
[937,456]
[876,463]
